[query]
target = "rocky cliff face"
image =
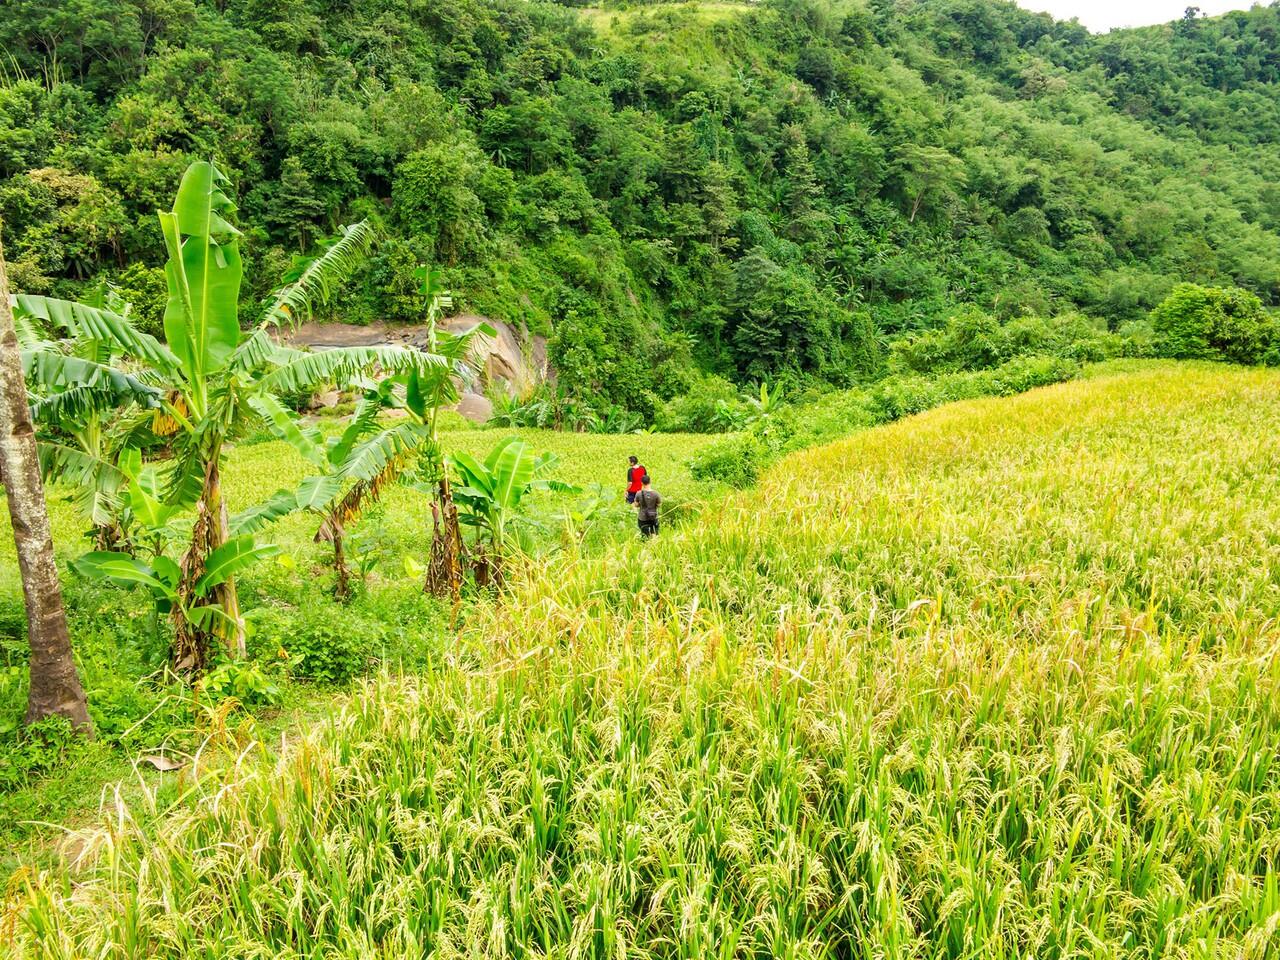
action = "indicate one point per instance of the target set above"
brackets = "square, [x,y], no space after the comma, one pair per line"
[510,360]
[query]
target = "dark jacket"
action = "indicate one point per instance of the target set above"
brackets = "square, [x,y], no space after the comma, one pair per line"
[648,501]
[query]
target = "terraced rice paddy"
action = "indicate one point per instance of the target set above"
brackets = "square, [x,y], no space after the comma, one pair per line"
[996,681]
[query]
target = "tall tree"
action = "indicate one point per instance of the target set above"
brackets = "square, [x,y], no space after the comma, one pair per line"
[55,685]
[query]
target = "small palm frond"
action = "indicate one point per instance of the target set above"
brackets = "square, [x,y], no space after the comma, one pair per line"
[306,371]
[28,336]
[97,482]
[370,458]
[132,430]
[255,350]
[364,493]
[313,493]
[185,477]
[284,424]
[72,389]
[373,464]
[314,279]
[82,322]
[363,422]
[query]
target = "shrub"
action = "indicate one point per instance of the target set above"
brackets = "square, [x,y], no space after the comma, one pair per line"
[247,681]
[418,622]
[1136,339]
[35,750]
[735,460]
[738,460]
[1025,373]
[971,340]
[899,397]
[1214,323]
[322,642]
[712,405]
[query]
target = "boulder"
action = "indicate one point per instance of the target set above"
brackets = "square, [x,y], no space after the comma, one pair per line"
[475,407]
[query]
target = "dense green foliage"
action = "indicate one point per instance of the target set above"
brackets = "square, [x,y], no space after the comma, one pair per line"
[1208,323]
[297,633]
[745,189]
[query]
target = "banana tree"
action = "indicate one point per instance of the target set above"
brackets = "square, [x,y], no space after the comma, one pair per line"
[433,392]
[490,493]
[356,466]
[89,412]
[354,469]
[217,381]
[765,404]
[162,577]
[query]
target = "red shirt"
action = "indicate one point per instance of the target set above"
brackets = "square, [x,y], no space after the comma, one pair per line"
[634,476]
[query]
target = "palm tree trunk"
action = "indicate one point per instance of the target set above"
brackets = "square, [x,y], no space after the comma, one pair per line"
[342,587]
[55,685]
[191,643]
[444,567]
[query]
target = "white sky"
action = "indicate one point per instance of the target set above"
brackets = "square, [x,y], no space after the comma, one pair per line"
[1101,15]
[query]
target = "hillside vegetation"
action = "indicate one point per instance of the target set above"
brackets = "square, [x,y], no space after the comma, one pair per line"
[998,680]
[751,190]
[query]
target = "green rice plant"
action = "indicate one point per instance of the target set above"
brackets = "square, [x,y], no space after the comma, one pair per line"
[998,680]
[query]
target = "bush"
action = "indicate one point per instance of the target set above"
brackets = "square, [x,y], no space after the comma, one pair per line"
[735,460]
[36,750]
[899,397]
[1214,323]
[332,643]
[1137,339]
[249,682]
[419,622]
[1025,373]
[322,641]
[712,405]
[972,340]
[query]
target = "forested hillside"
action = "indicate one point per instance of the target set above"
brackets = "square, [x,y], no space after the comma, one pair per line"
[749,190]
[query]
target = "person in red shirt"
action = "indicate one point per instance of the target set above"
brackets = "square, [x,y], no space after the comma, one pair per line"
[635,479]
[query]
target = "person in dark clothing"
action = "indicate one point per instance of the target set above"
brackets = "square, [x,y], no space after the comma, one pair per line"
[635,473]
[647,501]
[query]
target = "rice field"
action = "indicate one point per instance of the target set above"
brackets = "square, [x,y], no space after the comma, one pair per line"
[996,681]
[254,471]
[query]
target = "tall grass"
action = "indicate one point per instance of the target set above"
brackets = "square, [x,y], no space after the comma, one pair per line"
[997,681]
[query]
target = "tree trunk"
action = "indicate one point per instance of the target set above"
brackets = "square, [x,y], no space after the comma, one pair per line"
[55,685]
[342,588]
[110,536]
[192,642]
[444,568]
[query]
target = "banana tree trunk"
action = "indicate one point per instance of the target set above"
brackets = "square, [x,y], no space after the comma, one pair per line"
[342,586]
[444,568]
[192,642]
[110,536]
[55,685]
